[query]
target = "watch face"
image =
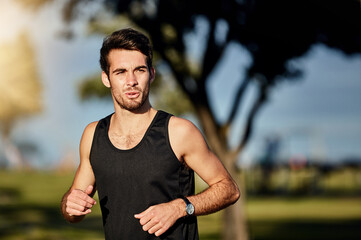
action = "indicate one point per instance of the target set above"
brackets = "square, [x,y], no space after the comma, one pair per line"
[190,209]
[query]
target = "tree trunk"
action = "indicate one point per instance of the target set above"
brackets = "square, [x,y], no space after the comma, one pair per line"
[234,217]
[13,155]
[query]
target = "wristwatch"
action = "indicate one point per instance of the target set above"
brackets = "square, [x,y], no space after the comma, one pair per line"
[190,207]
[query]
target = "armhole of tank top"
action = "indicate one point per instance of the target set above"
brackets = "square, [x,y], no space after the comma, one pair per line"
[168,141]
[95,134]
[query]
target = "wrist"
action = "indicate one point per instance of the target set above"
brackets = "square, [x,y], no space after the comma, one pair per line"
[189,206]
[180,207]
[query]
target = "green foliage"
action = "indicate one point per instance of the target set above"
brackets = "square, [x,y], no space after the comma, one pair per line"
[104,24]
[166,95]
[92,86]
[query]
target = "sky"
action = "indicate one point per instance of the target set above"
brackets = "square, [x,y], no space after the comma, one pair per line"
[318,116]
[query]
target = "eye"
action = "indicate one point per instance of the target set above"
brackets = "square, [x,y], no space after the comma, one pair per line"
[119,72]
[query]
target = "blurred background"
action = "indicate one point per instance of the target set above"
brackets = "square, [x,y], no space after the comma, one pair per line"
[275,86]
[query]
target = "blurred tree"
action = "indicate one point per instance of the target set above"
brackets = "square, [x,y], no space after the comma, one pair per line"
[273,32]
[33,4]
[21,91]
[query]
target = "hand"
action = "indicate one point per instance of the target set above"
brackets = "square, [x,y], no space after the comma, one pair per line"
[159,218]
[79,203]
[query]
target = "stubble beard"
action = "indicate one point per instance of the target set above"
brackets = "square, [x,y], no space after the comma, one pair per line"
[130,104]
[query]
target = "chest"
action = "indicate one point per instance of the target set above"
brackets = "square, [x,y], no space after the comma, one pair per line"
[127,141]
[149,166]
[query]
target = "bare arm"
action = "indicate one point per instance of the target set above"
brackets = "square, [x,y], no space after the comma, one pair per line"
[78,201]
[189,146]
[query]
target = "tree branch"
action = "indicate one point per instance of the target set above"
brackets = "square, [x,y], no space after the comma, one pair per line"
[203,113]
[248,130]
[236,104]
[212,53]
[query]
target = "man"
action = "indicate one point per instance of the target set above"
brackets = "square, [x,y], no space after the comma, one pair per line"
[141,160]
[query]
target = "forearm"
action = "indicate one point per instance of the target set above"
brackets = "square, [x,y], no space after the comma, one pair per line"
[216,197]
[159,218]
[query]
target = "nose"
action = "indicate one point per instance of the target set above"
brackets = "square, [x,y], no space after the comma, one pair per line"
[131,80]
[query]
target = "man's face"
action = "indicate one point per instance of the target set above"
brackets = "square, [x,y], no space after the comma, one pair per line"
[129,78]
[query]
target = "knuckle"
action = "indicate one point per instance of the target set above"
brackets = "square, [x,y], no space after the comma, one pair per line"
[70,197]
[159,232]
[73,192]
[70,211]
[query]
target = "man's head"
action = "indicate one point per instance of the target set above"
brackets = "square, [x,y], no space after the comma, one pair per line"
[127,39]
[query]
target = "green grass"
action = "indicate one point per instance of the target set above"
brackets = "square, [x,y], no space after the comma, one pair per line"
[29,210]
[305,218]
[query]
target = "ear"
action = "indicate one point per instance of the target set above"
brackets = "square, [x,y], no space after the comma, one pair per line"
[152,74]
[105,80]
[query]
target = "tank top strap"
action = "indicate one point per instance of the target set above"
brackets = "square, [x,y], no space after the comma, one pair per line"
[161,120]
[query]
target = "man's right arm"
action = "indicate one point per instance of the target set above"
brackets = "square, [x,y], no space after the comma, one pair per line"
[78,201]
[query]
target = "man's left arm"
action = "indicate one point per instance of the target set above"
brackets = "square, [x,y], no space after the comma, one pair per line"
[222,190]
[189,146]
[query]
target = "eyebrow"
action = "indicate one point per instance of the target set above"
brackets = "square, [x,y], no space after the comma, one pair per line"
[118,70]
[141,67]
[124,69]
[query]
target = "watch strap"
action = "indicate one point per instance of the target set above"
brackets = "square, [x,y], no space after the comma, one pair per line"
[185,200]
[189,206]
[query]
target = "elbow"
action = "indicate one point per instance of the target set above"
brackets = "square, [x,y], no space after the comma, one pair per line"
[236,194]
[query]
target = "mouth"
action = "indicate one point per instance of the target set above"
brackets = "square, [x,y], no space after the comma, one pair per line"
[132,94]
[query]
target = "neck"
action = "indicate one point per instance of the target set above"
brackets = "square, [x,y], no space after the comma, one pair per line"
[125,121]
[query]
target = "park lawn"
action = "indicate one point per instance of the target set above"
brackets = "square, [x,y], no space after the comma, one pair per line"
[29,209]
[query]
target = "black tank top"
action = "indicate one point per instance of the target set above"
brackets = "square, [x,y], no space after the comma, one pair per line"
[130,181]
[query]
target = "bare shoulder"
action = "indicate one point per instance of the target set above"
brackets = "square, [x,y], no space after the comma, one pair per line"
[87,138]
[185,137]
[180,127]
[177,122]
[84,175]
[90,128]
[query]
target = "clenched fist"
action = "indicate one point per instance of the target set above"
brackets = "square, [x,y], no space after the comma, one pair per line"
[78,202]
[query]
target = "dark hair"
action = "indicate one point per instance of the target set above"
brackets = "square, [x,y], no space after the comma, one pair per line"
[128,39]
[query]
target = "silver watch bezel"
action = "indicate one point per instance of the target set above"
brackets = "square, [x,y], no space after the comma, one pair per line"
[190,209]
